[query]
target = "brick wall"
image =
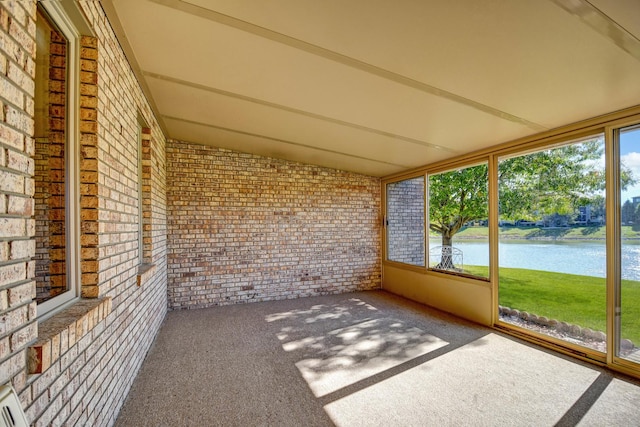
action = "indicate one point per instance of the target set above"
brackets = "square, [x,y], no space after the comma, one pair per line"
[90,373]
[244,228]
[405,221]
[49,198]
[18,326]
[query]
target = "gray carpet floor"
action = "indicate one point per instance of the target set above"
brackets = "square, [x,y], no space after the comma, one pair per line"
[362,359]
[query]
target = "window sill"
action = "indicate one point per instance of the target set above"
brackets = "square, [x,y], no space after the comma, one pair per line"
[61,332]
[450,275]
[462,275]
[145,272]
[404,266]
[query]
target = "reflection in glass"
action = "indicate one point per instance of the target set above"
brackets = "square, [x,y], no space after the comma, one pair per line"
[50,160]
[405,221]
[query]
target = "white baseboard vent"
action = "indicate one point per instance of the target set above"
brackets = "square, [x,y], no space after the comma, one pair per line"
[11,413]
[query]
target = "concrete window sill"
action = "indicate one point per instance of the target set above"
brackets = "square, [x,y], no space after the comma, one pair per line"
[60,332]
[145,273]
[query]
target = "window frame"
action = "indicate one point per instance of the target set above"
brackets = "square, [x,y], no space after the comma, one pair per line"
[552,144]
[440,289]
[386,222]
[546,140]
[614,244]
[141,261]
[425,172]
[59,18]
[450,168]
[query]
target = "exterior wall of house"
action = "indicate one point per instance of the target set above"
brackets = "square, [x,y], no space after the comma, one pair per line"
[245,228]
[85,358]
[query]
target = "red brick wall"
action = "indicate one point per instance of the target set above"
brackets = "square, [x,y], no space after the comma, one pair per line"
[245,228]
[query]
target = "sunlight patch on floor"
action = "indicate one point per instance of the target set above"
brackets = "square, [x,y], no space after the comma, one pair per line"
[320,312]
[619,403]
[490,381]
[347,355]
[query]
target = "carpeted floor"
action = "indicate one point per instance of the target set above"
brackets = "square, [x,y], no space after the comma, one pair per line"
[362,359]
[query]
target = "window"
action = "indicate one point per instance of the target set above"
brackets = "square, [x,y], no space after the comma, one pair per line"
[405,221]
[458,220]
[563,240]
[140,199]
[146,268]
[552,242]
[145,253]
[628,282]
[56,209]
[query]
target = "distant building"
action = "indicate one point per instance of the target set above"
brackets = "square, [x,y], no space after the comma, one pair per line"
[584,215]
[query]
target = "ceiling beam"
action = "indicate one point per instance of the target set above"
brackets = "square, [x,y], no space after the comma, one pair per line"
[282,141]
[295,111]
[275,36]
[603,24]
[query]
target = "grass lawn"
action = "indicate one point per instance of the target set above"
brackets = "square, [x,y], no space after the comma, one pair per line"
[579,300]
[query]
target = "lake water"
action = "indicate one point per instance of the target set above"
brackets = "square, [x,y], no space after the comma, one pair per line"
[586,258]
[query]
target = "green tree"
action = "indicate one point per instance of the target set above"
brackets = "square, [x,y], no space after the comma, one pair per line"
[457,197]
[556,180]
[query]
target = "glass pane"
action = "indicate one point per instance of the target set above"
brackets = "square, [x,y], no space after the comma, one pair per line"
[405,221]
[552,239]
[50,163]
[629,322]
[458,211]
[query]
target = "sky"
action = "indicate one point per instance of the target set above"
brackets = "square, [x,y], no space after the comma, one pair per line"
[630,157]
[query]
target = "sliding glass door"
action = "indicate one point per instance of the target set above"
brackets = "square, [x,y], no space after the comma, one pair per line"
[628,284]
[564,260]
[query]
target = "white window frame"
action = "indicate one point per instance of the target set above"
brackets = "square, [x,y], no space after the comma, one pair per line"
[58,15]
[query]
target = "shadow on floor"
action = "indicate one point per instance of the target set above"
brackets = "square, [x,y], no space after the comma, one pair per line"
[367,358]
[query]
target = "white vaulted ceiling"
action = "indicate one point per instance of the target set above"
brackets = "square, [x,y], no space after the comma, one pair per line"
[374,86]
